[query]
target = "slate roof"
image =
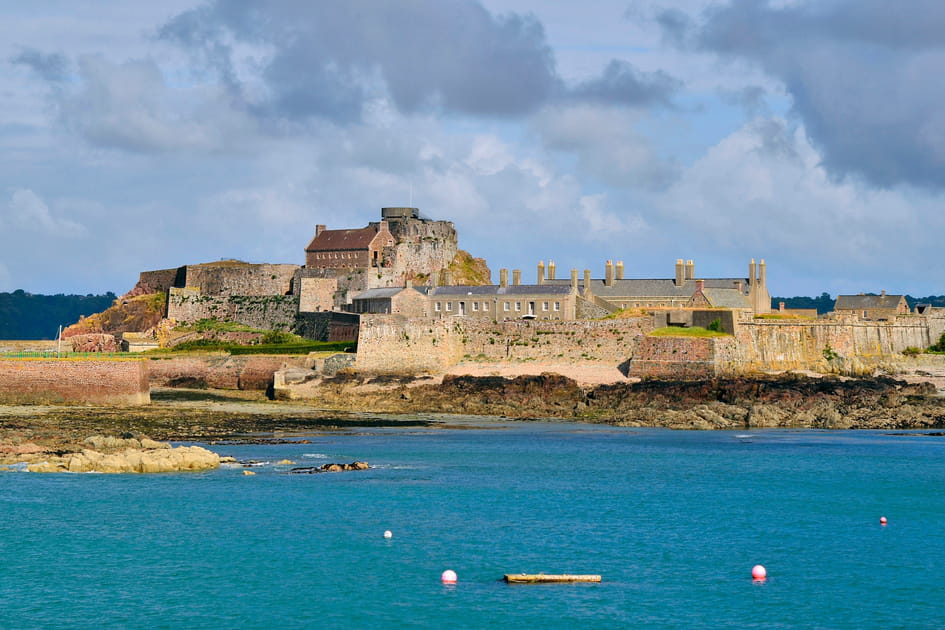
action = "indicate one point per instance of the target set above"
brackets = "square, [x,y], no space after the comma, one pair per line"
[372,294]
[638,288]
[492,289]
[334,240]
[865,302]
[726,298]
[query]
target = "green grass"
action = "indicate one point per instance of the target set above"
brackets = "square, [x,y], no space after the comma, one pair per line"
[695,331]
[214,325]
[211,345]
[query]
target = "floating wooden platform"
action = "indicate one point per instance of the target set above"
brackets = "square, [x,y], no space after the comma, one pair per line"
[545,578]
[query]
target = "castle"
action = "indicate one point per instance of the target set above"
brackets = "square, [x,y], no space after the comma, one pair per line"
[401,265]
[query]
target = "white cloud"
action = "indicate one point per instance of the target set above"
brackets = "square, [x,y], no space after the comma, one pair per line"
[27,211]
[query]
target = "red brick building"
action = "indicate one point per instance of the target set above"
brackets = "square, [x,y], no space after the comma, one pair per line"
[357,248]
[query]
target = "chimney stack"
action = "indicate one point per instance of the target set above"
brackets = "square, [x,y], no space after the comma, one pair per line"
[700,286]
[587,281]
[551,270]
[574,280]
[516,277]
[680,272]
[882,293]
[619,270]
[541,272]
[609,274]
[690,270]
[503,278]
[762,274]
[780,307]
[752,277]
[319,229]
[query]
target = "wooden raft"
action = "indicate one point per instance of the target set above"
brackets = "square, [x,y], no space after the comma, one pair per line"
[543,578]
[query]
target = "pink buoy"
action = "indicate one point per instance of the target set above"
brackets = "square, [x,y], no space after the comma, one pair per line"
[882,520]
[448,577]
[758,572]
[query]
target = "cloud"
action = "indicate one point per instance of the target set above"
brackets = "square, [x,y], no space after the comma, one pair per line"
[27,211]
[606,145]
[862,75]
[52,67]
[328,59]
[763,191]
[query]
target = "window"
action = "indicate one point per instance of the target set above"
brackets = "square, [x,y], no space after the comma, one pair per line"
[475,306]
[518,306]
[544,306]
[436,307]
[485,306]
[449,306]
[505,307]
[557,306]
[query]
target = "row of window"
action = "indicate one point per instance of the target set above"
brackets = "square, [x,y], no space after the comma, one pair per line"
[334,255]
[506,306]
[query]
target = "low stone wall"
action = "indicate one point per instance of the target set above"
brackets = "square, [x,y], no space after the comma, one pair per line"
[95,381]
[248,372]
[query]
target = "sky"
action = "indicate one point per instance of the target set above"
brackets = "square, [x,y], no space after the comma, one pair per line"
[809,133]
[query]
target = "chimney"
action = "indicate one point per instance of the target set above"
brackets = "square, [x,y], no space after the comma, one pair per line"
[574,280]
[690,270]
[587,280]
[739,286]
[609,274]
[551,270]
[752,278]
[882,293]
[762,274]
[319,229]
[503,278]
[780,307]
[516,277]
[700,286]
[382,226]
[619,270]
[680,272]
[541,272]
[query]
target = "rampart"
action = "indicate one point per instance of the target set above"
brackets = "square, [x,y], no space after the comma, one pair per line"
[328,326]
[269,312]
[94,381]
[395,344]
[241,279]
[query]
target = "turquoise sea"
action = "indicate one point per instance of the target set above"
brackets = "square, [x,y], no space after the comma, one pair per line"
[674,521]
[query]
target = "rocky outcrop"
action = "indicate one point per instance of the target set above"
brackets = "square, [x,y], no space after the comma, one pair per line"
[327,468]
[93,342]
[105,454]
[788,400]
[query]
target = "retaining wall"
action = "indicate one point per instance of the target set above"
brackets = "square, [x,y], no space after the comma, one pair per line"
[269,312]
[95,381]
[249,372]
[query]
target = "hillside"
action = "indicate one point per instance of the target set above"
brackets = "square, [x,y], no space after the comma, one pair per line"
[126,314]
[469,271]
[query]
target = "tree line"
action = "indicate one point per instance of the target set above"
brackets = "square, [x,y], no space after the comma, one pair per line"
[28,316]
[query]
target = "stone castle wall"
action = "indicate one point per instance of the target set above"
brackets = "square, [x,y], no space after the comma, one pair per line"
[268,312]
[395,344]
[241,279]
[160,280]
[91,381]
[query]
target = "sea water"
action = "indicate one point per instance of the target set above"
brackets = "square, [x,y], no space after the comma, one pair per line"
[673,521]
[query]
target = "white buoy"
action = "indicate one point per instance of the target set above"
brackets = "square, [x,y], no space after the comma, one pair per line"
[387,533]
[448,577]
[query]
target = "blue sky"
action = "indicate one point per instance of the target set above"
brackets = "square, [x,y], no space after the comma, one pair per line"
[150,135]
